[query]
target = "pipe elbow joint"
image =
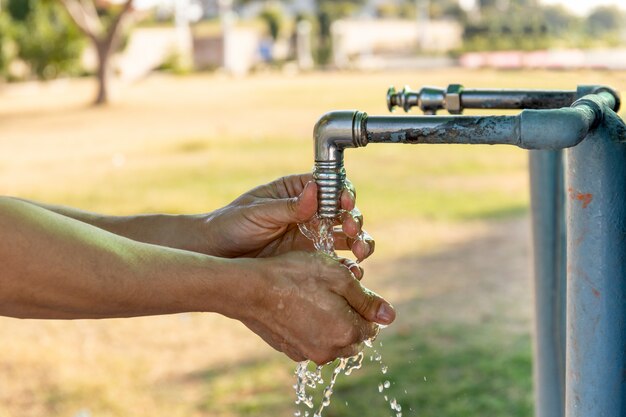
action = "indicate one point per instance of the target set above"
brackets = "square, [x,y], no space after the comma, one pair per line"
[334,132]
[337,130]
[552,129]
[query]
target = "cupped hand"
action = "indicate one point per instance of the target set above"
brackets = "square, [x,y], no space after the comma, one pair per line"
[264,221]
[310,306]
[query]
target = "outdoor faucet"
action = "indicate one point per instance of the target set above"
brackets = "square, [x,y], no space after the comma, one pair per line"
[530,129]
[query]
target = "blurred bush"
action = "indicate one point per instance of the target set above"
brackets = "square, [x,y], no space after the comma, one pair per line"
[7,45]
[41,35]
[538,27]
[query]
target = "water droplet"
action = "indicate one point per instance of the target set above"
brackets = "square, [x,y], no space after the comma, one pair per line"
[386,399]
[380,388]
[387,384]
[424,378]
[298,413]
[384,369]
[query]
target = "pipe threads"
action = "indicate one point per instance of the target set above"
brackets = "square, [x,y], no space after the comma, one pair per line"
[330,178]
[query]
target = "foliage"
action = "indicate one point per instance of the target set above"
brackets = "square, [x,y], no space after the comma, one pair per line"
[19,9]
[604,19]
[48,42]
[328,12]
[527,31]
[273,18]
[537,27]
[7,44]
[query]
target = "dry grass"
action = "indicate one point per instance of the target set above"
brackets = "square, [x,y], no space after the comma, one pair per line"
[191,144]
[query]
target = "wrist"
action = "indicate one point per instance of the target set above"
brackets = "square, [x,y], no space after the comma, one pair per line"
[233,288]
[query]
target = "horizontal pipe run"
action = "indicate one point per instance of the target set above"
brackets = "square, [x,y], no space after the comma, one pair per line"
[455,98]
[530,129]
[443,129]
[516,99]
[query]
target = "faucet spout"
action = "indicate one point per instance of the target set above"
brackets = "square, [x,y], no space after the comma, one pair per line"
[334,132]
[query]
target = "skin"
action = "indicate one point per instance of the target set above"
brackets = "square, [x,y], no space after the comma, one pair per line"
[247,261]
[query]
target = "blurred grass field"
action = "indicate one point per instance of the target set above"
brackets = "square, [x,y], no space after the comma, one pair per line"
[450,224]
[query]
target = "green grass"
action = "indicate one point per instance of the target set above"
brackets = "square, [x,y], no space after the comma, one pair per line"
[442,371]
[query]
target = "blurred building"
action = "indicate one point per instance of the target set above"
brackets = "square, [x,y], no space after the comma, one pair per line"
[389,39]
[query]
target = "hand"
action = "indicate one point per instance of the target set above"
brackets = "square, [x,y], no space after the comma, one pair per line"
[264,221]
[310,306]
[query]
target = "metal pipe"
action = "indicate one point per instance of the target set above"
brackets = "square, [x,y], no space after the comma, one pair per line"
[531,129]
[550,282]
[596,264]
[455,98]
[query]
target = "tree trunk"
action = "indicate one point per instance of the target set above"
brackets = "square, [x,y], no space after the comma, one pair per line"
[102,74]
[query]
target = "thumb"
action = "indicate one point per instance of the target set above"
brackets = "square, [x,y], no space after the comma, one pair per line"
[296,209]
[369,304]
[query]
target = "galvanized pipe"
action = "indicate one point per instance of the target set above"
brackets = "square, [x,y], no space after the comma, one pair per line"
[531,129]
[456,98]
[547,204]
[517,99]
[596,264]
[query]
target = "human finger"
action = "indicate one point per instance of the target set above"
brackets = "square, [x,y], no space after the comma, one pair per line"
[367,303]
[290,210]
[351,222]
[348,199]
[362,246]
[355,268]
[283,187]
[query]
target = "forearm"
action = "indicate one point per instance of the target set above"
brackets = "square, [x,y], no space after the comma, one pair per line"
[55,267]
[174,231]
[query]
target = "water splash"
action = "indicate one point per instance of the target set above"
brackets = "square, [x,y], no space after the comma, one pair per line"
[320,231]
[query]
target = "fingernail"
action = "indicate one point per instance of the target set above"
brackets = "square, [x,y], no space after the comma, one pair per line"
[386,313]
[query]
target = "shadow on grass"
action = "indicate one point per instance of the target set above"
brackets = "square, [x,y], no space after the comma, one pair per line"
[441,371]
[444,372]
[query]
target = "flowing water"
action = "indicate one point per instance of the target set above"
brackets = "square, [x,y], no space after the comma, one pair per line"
[320,231]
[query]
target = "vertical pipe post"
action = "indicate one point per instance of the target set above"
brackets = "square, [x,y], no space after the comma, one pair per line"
[548,229]
[596,264]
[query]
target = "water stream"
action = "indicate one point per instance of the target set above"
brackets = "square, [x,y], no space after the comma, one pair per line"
[320,231]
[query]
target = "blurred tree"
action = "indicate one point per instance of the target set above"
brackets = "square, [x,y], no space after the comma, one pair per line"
[19,9]
[273,18]
[103,27]
[447,8]
[559,20]
[46,39]
[604,19]
[7,45]
[528,31]
[327,12]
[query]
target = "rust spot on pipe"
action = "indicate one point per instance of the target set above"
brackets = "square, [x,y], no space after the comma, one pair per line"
[596,293]
[584,198]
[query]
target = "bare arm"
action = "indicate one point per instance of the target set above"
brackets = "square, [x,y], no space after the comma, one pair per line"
[174,231]
[54,267]
[260,223]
